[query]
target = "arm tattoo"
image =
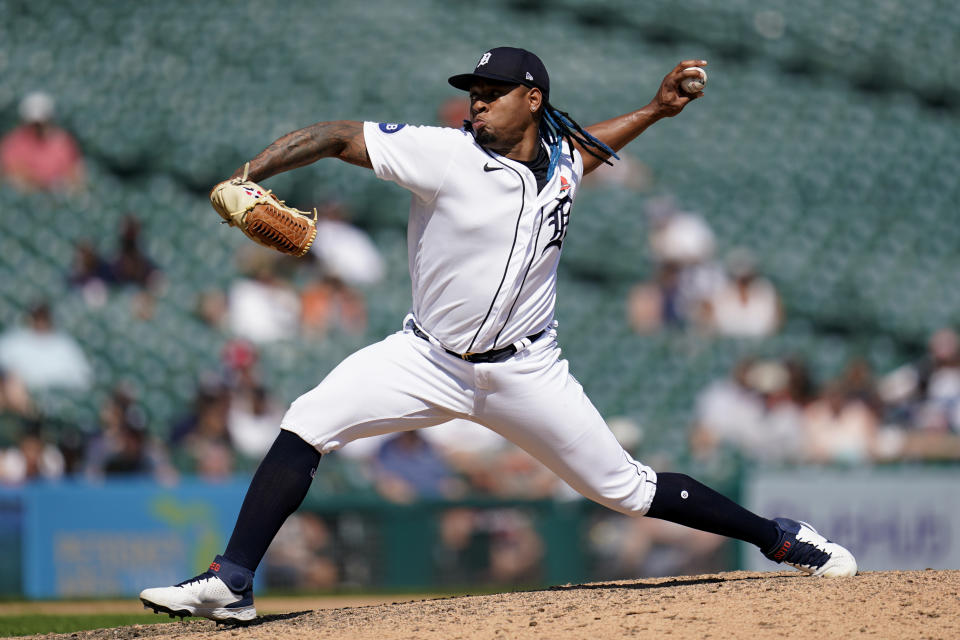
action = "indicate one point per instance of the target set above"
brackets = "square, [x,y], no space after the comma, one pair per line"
[342,139]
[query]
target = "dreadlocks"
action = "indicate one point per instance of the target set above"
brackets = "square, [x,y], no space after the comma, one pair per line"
[556,126]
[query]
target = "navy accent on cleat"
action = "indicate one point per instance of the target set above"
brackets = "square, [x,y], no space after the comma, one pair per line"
[801,547]
[222,593]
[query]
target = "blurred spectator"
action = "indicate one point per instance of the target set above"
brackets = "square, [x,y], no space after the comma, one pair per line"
[516,549]
[38,155]
[253,415]
[253,422]
[923,400]
[840,427]
[241,375]
[857,382]
[682,247]
[801,385]
[302,555]
[213,309]
[685,240]
[72,443]
[657,304]
[344,251]
[90,274]
[676,236]
[926,394]
[406,467]
[328,303]
[207,417]
[124,445]
[30,460]
[940,384]
[491,545]
[131,265]
[498,545]
[627,547]
[755,411]
[748,305]
[42,356]
[213,460]
[14,397]
[262,307]
[517,474]
[724,409]
[201,438]
[494,545]
[492,465]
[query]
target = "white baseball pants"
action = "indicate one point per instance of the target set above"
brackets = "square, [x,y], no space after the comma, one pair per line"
[404,383]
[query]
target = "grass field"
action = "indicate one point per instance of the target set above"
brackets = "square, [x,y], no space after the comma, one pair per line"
[21,618]
[34,623]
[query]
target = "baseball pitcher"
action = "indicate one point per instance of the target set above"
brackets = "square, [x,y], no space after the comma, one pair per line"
[489,212]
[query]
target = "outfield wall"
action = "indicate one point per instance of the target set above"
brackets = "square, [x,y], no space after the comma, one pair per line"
[70,540]
[903,518]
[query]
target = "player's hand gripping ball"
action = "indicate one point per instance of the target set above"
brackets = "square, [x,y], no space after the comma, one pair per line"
[263,217]
[694,85]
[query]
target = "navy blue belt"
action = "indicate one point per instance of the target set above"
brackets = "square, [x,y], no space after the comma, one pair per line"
[494,355]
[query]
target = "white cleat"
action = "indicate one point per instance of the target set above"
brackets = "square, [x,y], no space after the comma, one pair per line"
[207,595]
[802,548]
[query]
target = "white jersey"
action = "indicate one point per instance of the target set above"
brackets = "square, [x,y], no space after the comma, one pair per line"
[483,244]
[484,248]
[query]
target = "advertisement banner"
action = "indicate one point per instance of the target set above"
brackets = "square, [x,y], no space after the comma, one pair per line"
[82,540]
[898,518]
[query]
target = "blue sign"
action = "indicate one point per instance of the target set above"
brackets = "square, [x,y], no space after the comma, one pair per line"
[83,540]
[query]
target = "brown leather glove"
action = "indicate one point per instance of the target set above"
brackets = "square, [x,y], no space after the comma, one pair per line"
[263,217]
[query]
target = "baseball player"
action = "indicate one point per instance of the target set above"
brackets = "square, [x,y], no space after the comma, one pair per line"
[488,216]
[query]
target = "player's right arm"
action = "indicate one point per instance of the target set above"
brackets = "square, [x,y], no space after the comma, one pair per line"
[342,139]
[668,102]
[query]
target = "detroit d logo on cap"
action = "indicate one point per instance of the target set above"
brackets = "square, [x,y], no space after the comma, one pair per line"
[484,59]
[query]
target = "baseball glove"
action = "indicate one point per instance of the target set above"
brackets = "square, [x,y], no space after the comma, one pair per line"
[263,217]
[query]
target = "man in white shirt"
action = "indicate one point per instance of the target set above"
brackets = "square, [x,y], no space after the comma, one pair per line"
[44,357]
[489,212]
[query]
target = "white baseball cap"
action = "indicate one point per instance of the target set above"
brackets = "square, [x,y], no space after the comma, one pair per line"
[36,106]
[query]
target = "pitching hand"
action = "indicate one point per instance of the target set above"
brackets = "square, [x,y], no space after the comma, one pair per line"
[671,99]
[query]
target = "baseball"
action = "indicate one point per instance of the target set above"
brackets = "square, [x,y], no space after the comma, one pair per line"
[694,85]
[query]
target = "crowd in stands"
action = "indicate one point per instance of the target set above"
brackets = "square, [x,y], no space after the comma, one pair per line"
[692,289]
[769,410]
[234,417]
[267,303]
[766,409]
[92,275]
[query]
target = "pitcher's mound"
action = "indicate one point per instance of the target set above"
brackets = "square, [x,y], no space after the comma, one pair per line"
[881,604]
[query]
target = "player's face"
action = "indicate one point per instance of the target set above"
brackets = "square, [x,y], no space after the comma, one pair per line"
[500,113]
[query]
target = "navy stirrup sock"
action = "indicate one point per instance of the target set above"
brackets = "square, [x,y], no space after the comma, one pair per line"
[681,499]
[277,489]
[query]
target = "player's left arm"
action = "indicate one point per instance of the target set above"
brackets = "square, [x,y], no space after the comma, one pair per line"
[670,100]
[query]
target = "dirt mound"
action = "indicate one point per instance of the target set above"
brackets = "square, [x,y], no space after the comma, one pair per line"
[889,604]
